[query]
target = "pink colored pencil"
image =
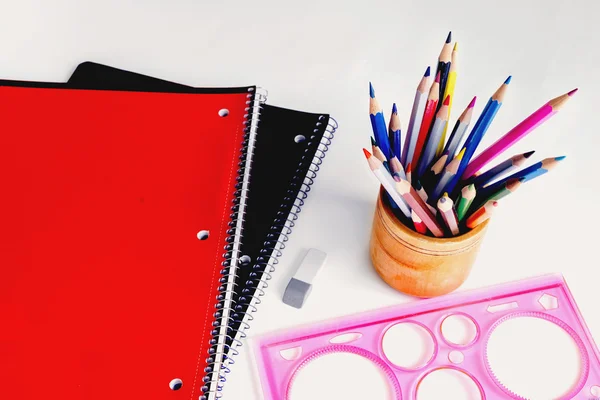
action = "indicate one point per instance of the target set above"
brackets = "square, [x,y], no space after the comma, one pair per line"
[414,201]
[517,133]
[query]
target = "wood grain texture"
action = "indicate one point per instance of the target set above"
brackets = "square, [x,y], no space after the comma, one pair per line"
[420,265]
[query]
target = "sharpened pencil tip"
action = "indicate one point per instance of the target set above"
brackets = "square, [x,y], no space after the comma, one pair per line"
[572,92]
[507,81]
[367,154]
[394,109]
[418,185]
[472,103]
[371,90]
[427,72]
[449,38]
[437,77]
[528,154]
[447,101]
[455,46]
[373,142]
[560,158]
[461,154]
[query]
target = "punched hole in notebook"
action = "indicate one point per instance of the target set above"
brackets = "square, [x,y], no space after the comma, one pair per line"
[202,235]
[176,384]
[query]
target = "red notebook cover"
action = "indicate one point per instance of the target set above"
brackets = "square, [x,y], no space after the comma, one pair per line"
[106,291]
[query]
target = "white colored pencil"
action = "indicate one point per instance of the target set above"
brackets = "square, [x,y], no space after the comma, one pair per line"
[416,118]
[387,182]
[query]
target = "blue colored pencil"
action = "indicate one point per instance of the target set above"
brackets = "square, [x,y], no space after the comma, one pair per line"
[479,130]
[395,133]
[378,124]
[524,175]
[504,167]
[379,155]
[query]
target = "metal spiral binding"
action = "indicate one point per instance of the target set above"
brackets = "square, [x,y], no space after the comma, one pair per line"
[265,264]
[220,354]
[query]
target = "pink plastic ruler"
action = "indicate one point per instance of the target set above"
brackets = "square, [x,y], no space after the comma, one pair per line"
[546,297]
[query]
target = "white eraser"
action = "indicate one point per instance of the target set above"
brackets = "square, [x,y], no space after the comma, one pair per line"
[310,265]
[300,285]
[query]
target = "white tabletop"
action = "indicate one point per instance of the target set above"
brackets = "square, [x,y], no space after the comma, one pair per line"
[319,56]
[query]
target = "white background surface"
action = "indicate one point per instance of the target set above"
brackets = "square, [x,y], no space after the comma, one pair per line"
[319,56]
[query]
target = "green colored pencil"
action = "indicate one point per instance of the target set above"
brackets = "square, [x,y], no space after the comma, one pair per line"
[465,199]
[510,186]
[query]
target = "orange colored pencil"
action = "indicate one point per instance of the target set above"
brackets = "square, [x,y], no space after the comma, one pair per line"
[482,214]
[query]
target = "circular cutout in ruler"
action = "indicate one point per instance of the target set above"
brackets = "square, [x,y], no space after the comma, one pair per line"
[536,356]
[341,372]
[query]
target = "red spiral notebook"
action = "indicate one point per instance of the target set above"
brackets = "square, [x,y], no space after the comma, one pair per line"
[106,290]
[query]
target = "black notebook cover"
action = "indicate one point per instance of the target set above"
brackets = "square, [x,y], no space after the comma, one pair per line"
[289,148]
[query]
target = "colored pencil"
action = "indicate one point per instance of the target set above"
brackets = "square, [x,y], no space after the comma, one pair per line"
[517,133]
[414,201]
[387,182]
[423,194]
[482,214]
[396,168]
[379,155]
[444,61]
[408,172]
[449,91]
[418,223]
[529,173]
[428,115]
[504,167]
[467,195]
[449,173]
[509,187]
[479,130]
[416,118]
[459,130]
[378,123]
[394,132]
[502,191]
[433,175]
[446,207]
[433,139]
[440,164]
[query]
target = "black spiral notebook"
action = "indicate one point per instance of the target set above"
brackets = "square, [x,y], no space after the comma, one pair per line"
[289,148]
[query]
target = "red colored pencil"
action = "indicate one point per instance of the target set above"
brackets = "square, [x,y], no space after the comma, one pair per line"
[428,116]
[418,222]
[409,172]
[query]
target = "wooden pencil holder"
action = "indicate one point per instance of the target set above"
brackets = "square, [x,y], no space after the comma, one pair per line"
[416,264]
